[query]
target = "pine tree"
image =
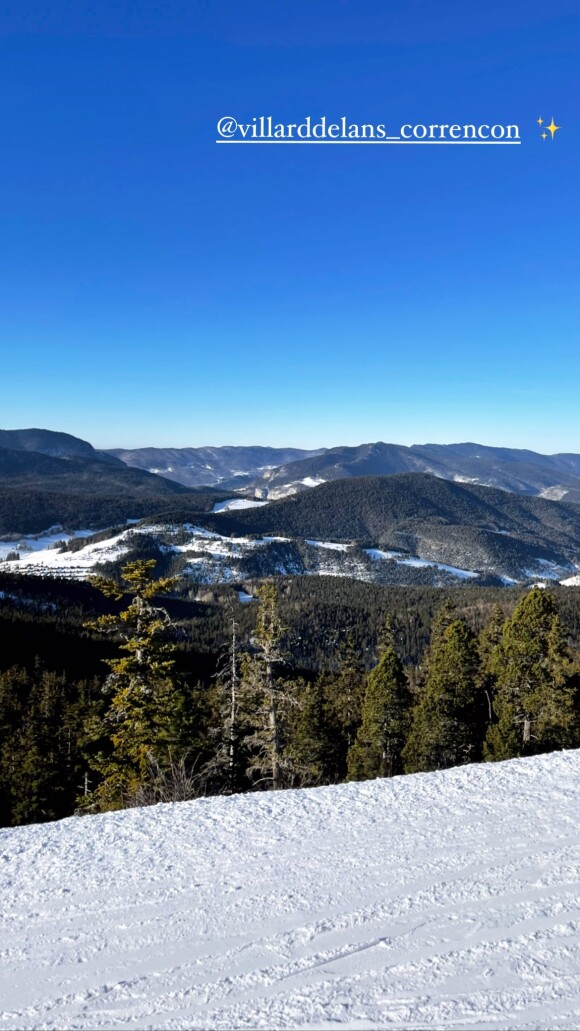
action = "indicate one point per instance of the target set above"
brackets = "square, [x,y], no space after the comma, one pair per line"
[447,722]
[312,747]
[264,696]
[345,694]
[41,717]
[141,721]
[385,719]
[534,695]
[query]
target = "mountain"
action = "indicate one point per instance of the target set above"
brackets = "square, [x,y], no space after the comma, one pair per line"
[523,472]
[49,478]
[410,529]
[440,900]
[462,525]
[201,466]
[55,444]
[77,475]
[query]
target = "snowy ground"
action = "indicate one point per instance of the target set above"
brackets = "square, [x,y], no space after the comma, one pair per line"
[215,558]
[421,563]
[234,504]
[28,545]
[447,900]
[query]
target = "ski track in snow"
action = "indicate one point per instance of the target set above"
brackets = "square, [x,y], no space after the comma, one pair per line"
[446,900]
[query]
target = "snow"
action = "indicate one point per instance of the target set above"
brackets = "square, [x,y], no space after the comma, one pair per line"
[554,493]
[312,481]
[329,544]
[244,597]
[444,900]
[545,568]
[234,504]
[39,542]
[419,563]
[377,554]
[572,581]
[49,561]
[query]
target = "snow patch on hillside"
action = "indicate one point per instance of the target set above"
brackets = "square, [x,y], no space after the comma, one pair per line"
[329,545]
[420,563]
[554,493]
[38,542]
[572,581]
[445,900]
[234,504]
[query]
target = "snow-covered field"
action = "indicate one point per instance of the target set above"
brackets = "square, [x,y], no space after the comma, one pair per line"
[446,900]
[28,545]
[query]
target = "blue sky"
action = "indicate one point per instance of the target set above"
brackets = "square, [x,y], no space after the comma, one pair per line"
[159,289]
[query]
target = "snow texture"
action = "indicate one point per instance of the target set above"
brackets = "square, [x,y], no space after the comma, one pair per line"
[232,504]
[443,900]
[328,544]
[419,563]
[39,542]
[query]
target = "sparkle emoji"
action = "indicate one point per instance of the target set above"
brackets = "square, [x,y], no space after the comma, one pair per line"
[552,127]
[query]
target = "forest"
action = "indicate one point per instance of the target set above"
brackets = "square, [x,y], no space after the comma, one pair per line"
[126,691]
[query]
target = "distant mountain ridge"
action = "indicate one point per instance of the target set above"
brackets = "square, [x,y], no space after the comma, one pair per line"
[277,472]
[520,471]
[47,460]
[51,478]
[231,466]
[53,443]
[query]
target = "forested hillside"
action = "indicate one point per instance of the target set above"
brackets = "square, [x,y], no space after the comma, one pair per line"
[183,704]
[471,527]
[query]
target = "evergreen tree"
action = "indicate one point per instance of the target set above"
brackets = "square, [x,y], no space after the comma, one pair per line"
[41,718]
[447,722]
[534,695]
[264,696]
[385,719]
[345,694]
[145,707]
[312,747]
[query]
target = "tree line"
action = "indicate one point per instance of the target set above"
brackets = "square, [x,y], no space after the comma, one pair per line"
[147,733]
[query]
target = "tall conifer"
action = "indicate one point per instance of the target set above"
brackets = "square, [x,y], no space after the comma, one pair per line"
[381,736]
[533,697]
[447,722]
[141,721]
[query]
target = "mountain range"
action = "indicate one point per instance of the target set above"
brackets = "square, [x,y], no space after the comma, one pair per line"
[211,466]
[436,527]
[524,472]
[462,525]
[49,478]
[276,472]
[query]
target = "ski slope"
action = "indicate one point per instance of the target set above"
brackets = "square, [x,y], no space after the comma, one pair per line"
[446,900]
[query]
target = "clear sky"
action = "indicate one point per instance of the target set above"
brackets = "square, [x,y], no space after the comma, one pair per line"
[159,289]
